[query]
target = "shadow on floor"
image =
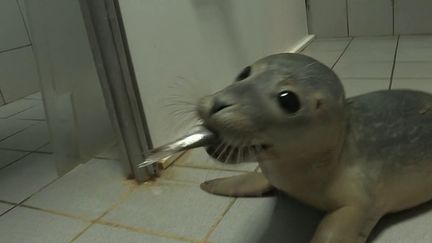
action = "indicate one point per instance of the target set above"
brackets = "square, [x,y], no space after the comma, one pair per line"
[294,222]
[397,218]
[291,221]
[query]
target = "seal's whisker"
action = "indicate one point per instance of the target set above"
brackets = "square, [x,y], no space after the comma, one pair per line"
[222,152]
[256,151]
[197,88]
[242,150]
[180,96]
[183,112]
[188,87]
[182,83]
[230,151]
[180,108]
[251,152]
[169,98]
[184,109]
[226,153]
[179,104]
[213,154]
[183,119]
[184,122]
[176,101]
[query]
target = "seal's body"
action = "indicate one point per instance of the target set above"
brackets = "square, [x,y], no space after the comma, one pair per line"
[357,158]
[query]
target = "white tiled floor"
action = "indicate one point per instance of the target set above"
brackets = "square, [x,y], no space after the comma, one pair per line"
[106,234]
[87,191]
[29,139]
[23,127]
[18,106]
[34,113]
[96,203]
[25,177]
[9,156]
[34,226]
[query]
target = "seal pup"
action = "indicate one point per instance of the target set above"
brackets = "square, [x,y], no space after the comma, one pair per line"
[358,159]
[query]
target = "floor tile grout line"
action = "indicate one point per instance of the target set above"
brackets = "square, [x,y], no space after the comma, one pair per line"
[98,221]
[146,231]
[343,52]
[2,97]
[16,160]
[19,112]
[347,17]
[42,152]
[394,63]
[14,205]
[210,168]
[15,133]
[26,109]
[7,202]
[31,119]
[214,226]
[23,119]
[40,189]
[393,16]
[15,48]
[26,98]
[122,198]
[58,213]
[27,153]
[21,203]
[40,147]
[24,21]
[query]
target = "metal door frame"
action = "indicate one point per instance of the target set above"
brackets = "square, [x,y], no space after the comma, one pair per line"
[115,69]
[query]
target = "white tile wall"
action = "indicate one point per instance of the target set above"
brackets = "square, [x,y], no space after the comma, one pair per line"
[12,29]
[362,13]
[369,17]
[23,10]
[413,16]
[18,74]
[328,18]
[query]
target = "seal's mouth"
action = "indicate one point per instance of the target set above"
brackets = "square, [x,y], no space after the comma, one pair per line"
[236,152]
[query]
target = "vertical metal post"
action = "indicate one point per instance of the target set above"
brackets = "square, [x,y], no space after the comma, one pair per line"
[115,69]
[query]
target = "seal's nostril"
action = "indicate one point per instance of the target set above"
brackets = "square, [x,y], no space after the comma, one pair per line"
[218,106]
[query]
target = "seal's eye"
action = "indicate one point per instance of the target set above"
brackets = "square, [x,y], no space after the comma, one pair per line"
[244,74]
[289,101]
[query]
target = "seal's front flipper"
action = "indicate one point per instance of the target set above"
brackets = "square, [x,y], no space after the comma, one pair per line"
[346,224]
[248,185]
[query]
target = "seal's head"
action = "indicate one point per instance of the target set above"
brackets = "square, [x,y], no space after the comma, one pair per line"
[284,103]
